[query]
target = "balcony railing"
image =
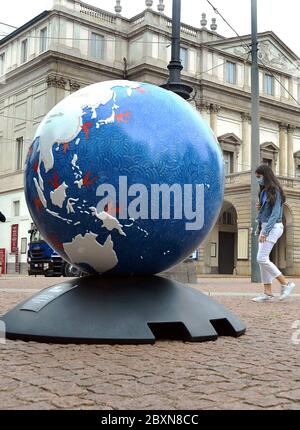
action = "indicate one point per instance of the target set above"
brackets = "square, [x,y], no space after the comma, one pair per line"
[138,19]
[238,178]
[245,178]
[289,182]
[187,29]
[94,12]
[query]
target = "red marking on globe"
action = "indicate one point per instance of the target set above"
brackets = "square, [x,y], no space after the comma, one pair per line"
[121,117]
[110,209]
[35,166]
[55,241]
[140,90]
[54,181]
[85,128]
[66,147]
[87,181]
[37,203]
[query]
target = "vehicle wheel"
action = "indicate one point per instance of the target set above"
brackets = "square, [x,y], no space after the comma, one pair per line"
[71,270]
[48,273]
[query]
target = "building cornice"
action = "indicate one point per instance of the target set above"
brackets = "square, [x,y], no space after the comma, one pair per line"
[244,60]
[260,36]
[245,97]
[237,188]
[147,68]
[47,57]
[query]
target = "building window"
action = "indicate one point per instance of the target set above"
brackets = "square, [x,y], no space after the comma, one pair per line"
[43,40]
[24,49]
[228,160]
[269,154]
[267,161]
[19,160]
[297,172]
[269,84]
[184,58]
[227,218]
[97,46]
[2,64]
[230,72]
[16,208]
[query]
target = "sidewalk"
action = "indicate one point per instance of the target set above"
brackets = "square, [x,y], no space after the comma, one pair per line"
[259,370]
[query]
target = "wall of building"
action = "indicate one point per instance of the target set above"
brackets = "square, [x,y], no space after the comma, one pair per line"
[24,222]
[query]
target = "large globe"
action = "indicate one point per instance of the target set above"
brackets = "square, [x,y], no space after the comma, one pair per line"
[124,178]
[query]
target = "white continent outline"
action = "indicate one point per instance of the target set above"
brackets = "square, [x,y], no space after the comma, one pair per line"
[86,250]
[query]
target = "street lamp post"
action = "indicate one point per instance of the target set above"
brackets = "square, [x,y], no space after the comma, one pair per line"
[255,148]
[174,82]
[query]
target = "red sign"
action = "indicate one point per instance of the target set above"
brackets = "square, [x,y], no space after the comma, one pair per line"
[14,237]
[2,261]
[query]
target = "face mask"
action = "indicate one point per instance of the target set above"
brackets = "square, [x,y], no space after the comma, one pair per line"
[260,181]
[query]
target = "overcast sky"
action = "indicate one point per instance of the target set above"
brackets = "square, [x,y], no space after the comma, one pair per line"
[281,17]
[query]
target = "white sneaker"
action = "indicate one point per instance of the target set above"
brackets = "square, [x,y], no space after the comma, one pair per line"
[287,290]
[263,298]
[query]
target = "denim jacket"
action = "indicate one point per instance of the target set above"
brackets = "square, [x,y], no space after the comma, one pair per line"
[270,214]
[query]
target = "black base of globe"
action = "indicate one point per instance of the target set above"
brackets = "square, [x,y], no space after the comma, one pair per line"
[120,310]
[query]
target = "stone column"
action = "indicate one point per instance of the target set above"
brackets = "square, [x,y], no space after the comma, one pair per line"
[282,149]
[247,73]
[246,145]
[290,150]
[215,70]
[56,90]
[204,263]
[214,109]
[204,108]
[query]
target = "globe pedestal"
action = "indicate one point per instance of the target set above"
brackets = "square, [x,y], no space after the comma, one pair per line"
[120,310]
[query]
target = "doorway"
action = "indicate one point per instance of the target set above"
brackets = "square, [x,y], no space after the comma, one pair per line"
[226,252]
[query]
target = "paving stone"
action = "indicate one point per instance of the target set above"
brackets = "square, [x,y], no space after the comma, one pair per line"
[292,395]
[260,370]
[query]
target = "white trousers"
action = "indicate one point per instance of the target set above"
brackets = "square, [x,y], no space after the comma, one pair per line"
[268,270]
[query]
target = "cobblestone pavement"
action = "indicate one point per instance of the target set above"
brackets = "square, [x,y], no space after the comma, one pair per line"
[260,370]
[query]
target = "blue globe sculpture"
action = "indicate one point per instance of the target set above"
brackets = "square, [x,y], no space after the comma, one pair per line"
[124,178]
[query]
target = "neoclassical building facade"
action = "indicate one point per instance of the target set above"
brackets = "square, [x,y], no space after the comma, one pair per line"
[75,44]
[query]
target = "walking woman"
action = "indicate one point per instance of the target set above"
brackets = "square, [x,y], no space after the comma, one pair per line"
[270,210]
